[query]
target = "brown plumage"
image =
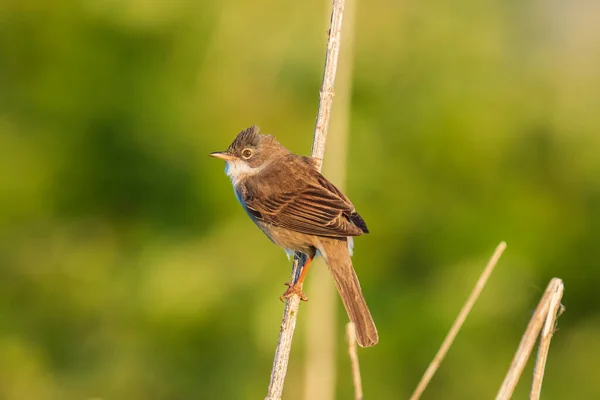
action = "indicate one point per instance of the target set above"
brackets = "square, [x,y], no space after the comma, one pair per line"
[303,201]
[301,211]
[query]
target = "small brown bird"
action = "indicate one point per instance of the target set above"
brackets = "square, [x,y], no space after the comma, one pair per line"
[302,212]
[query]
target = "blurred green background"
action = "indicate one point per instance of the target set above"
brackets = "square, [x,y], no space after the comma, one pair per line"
[129,271]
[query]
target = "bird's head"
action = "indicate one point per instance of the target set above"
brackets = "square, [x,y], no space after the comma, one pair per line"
[249,153]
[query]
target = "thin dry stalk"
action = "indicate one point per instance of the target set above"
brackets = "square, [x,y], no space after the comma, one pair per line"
[321,323]
[554,312]
[326,94]
[320,328]
[458,322]
[351,337]
[528,341]
[288,323]
[284,342]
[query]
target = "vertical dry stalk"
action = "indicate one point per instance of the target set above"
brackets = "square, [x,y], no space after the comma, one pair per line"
[553,313]
[284,342]
[288,323]
[326,94]
[464,312]
[529,338]
[322,331]
[351,337]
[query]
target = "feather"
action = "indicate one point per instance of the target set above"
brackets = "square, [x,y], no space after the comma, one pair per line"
[312,206]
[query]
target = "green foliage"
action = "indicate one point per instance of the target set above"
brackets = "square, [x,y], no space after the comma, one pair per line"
[128,271]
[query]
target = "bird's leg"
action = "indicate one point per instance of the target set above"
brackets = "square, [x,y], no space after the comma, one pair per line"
[296,288]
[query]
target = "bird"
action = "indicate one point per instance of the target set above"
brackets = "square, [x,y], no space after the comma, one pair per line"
[301,211]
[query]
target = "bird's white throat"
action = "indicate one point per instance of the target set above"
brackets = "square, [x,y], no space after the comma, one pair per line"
[239,169]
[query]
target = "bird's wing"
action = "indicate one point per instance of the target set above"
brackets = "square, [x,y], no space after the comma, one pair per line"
[319,209]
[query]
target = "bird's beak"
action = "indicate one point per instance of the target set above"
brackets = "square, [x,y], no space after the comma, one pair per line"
[223,155]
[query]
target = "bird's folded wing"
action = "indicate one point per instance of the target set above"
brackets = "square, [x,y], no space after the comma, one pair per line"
[317,209]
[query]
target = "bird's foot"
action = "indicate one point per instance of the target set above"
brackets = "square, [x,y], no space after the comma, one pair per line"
[293,288]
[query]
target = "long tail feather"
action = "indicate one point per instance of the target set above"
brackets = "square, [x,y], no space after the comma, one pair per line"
[339,262]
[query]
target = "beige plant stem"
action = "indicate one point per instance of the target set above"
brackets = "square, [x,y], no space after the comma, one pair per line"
[529,338]
[351,337]
[458,322]
[554,312]
[321,322]
[288,323]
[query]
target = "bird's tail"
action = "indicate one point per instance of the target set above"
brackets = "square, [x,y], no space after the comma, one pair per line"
[337,256]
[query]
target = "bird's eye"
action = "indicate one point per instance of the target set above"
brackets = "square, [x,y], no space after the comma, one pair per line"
[247,153]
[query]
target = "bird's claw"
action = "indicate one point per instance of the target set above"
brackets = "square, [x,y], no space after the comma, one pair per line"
[293,289]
